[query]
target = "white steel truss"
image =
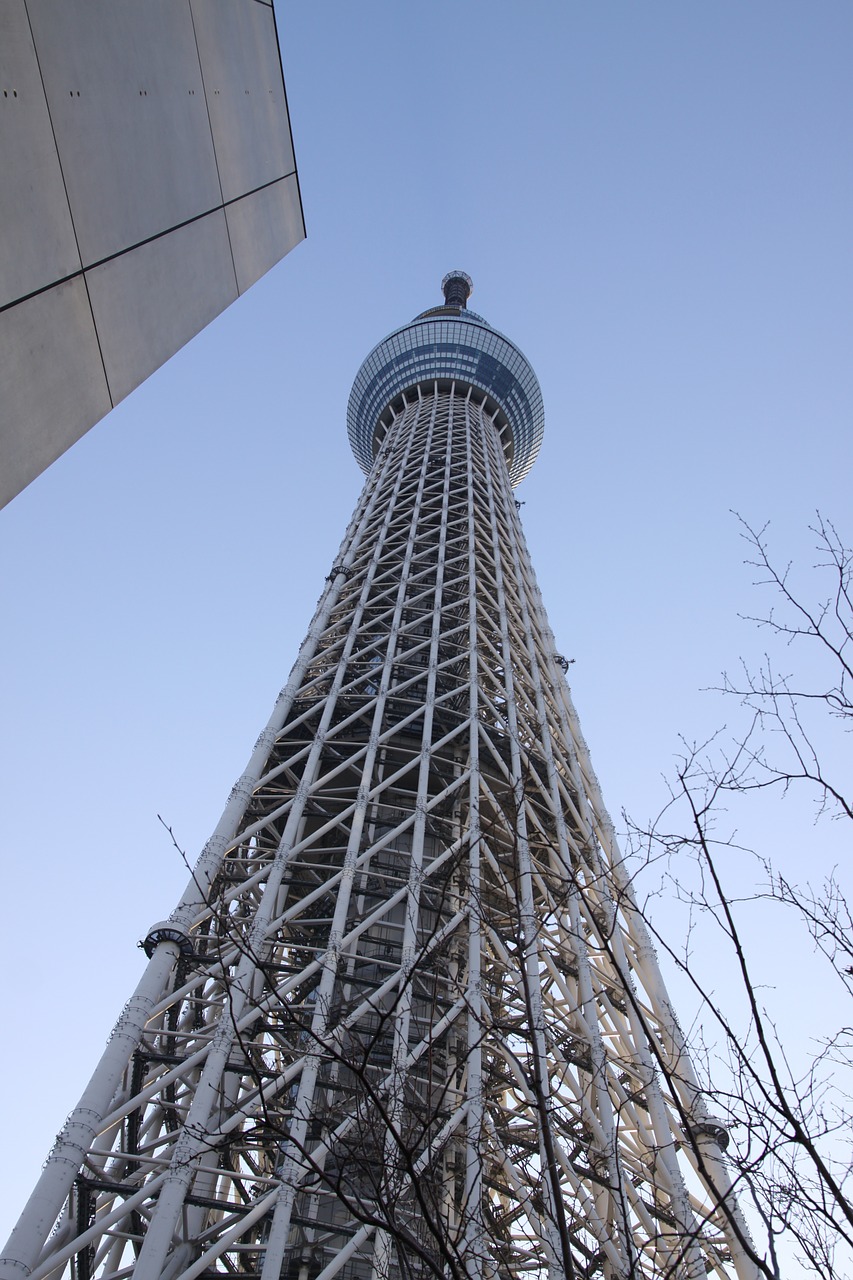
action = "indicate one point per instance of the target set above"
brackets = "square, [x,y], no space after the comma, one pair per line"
[406,1019]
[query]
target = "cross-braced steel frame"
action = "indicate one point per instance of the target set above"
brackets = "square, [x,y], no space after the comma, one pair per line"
[406,1019]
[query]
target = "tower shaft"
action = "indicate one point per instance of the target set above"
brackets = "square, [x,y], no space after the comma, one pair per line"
[406,1020]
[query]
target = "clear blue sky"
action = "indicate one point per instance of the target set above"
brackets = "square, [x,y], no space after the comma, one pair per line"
[655,202]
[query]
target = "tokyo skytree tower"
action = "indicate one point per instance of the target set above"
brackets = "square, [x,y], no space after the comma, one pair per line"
[406,1020]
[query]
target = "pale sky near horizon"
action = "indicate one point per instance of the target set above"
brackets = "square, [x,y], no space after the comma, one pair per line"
[655,203]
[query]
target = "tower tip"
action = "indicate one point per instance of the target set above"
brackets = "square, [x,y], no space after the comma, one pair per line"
[457,288]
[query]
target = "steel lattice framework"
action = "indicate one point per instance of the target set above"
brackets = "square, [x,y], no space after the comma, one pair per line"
[406,1020]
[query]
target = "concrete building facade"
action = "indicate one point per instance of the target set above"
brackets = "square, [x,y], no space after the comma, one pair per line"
[148,180]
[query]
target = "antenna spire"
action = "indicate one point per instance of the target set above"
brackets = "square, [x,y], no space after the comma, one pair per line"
[457,288]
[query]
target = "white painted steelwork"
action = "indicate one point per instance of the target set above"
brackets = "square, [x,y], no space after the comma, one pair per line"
[406,1020]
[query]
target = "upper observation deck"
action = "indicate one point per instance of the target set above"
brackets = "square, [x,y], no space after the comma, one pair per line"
[449,344]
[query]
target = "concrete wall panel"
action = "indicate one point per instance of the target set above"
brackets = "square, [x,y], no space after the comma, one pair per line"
[260,224]
[31,187]
[50,373]
[151,301]
[126,99]
[245,93]
[117,120]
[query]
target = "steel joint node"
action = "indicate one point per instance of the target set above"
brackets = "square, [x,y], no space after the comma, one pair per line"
[166,931]
[711,1130]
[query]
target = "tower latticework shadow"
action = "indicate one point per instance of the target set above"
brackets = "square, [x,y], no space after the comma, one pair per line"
[406,1020]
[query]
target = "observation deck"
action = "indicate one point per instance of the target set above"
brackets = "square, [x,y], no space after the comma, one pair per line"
[450,345]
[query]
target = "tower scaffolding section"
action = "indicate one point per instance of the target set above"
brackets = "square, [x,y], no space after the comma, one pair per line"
[406,1020]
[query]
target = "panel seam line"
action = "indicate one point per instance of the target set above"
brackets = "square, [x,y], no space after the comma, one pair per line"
[139,244]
